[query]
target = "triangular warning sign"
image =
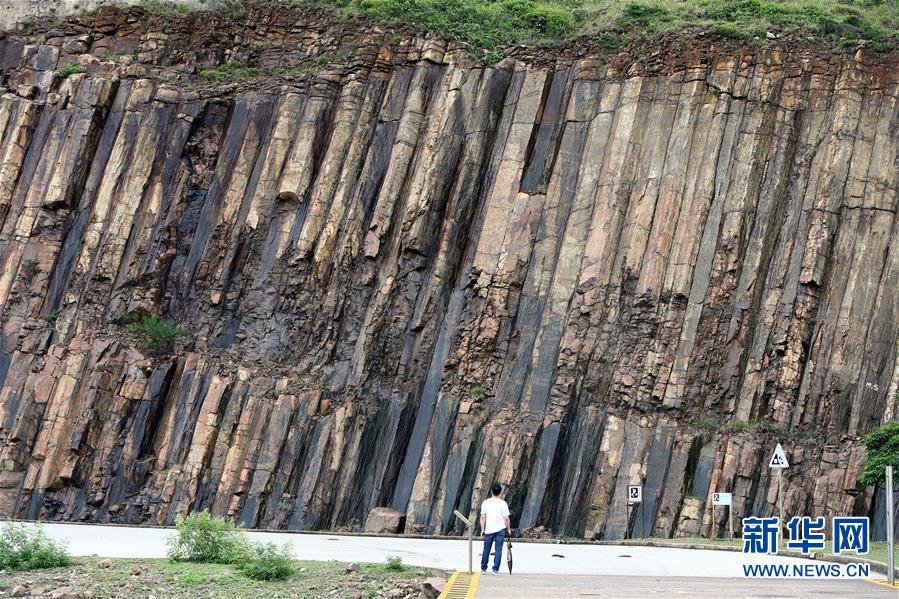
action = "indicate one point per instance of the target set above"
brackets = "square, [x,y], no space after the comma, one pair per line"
[779,458]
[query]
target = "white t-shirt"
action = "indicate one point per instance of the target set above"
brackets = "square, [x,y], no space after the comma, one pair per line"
[495,510]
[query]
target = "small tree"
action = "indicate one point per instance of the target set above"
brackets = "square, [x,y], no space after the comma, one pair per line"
[883,451]
[153,334]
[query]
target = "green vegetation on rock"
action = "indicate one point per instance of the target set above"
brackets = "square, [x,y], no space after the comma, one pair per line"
[153,334]
[230,71]
[28,548]
[883,451]
[164,7]
[52,316]
[490,26]
[493,25]
[69,69]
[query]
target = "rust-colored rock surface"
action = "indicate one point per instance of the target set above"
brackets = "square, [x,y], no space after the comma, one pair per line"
[402,276]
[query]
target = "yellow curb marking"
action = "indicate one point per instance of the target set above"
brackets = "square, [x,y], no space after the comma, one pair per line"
[883,583]
[460,586]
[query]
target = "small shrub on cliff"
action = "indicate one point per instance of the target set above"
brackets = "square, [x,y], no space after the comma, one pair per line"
[166,8]
[883,451]
[233,10]
[24,548]
[202,538]
[70,69]
[231,71]
[52,316]
[478,391]
[486,25]
[269,562]
[154,334]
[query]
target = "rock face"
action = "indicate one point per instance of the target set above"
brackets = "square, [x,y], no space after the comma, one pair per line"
[19,11]
[402,276]
[384,520]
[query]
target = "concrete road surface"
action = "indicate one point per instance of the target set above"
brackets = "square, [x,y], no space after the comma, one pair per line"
[532,586]
[447,554]
[578,565]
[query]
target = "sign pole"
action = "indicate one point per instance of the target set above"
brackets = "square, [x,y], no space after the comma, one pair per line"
[470,550]
[780,496]
[726,500]
[634,495]
[627,525]
[779,462]
[730,522]
[891,535]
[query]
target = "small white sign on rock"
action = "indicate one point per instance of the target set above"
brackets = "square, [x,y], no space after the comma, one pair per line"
[778,458]
[722,499]
[634,493]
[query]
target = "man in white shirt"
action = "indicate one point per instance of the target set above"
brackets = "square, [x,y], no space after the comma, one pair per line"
[494,525]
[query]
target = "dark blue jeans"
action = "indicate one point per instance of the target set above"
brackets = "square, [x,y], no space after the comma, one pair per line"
[498,538]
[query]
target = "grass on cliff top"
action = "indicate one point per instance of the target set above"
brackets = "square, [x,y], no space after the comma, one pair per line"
[492,25]
[141,578]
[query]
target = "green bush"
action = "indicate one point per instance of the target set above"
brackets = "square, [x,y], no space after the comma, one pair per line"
[24,548]
[478,390]
[154,334]
[883,451]
[269,562]
[166,8]
[483,24]
[202,538]
[395,564]
[232,70]
[70,69]
[610,41]
[232,10]
[189,579]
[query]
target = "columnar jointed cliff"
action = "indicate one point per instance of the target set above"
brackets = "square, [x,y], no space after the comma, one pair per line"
[403,276]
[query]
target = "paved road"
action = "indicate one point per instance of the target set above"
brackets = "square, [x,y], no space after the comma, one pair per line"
[624,587]
[447,554]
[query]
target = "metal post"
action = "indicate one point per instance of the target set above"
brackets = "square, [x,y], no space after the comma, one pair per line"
[627,524]
[470,525]
[470,549]
[730,521]
[780,496]
[891,536]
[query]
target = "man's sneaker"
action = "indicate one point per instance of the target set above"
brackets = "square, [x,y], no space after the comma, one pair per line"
[494,572]
[483,571]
